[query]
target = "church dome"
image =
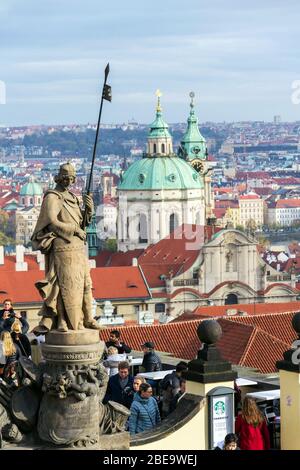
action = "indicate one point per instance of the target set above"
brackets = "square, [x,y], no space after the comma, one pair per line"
[31,189]
[155,173]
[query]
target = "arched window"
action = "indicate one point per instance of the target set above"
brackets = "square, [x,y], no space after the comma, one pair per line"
[31,201]
[231,299]
[198,218]
[143,229]
[173,222]
[127,228]
[154,148]
[160,308]
[162,148]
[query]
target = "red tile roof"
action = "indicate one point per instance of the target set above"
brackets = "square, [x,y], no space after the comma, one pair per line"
[175,253]
[250,309]
[19,286]
[219,212]
[119,258]
[256,341]
[276,324]
[249,196]
[108,283]
[120,282]
[287,203]
[178,339]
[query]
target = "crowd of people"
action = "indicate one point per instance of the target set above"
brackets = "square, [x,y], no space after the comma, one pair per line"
[148,402]
[13,341]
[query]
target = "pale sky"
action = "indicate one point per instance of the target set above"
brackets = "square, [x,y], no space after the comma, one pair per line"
[239,57]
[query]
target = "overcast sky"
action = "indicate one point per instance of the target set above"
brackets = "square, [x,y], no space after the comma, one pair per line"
[239,57]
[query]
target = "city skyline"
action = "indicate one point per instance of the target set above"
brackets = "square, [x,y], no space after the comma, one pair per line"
[239,60]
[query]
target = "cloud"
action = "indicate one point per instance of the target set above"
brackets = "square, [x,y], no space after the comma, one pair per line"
[54,52]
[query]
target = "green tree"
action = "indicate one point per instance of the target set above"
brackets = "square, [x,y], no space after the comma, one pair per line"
[111,244]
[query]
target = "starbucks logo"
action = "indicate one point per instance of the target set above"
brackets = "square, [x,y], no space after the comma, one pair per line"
[219,408]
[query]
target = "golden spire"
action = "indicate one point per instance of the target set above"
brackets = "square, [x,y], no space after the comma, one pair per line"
[158,107]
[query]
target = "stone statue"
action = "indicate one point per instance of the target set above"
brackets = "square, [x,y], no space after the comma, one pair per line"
[59,235]
[229,256]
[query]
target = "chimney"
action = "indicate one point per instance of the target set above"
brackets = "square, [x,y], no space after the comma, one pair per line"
[134,262]
[20,264]
[41,261]
[1,255]
[92,263]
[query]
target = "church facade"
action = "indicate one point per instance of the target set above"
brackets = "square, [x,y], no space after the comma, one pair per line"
[163,190]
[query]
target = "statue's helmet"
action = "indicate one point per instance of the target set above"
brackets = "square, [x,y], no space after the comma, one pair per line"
[67,169]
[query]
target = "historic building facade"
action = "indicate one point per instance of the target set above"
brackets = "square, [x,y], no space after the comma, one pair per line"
[162,190]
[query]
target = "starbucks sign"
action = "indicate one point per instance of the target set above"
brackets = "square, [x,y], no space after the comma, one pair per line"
[221,414]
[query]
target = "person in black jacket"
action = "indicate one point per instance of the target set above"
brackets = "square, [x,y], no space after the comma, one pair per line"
[114,340]
[120,386]
[6,312]
[19,339]
[151,361]
[8,316]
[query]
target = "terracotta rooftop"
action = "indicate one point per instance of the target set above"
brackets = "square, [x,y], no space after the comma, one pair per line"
[256,341]
[124,282]
[287,203]
[250,309]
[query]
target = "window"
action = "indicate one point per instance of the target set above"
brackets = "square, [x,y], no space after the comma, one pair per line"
[23,314]
[173,222]
[154,148]
[231,299]
[160,308]
[162,148]
[143,229]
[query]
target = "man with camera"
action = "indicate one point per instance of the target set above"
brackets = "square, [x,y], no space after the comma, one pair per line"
[8,316]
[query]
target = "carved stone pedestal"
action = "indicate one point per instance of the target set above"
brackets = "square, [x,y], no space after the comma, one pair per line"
[69,410]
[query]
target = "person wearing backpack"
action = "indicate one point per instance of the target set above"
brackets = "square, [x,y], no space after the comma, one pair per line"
[170,386]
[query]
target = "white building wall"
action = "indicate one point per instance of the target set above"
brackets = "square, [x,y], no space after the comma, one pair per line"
[157,206]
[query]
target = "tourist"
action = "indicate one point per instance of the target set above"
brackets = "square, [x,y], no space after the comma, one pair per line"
[8,316]
[112,361]
[230,443]
[11,353]
[151,361]
[144,412]
[114,340]
[251,427]
[179,395]
[120,386]
[170,386]
[19,339]
[137,382]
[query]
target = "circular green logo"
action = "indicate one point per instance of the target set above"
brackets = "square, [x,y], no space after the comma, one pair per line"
[219,408]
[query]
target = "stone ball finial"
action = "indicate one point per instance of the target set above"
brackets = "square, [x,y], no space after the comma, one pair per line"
[296,323]
[209,331]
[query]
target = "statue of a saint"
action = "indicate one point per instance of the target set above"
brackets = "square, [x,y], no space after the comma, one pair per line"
[59,234]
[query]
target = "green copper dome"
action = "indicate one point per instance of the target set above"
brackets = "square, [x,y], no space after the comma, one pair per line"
[155,173]
[158,128]
[193,144]
[31,189]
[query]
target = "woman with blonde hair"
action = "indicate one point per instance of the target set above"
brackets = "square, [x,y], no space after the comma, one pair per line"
[11,352]
[112,361]
[251,427]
